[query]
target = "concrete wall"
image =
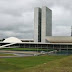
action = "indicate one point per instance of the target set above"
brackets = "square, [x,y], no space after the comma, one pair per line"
[37,24]
[59,39]
[46,27]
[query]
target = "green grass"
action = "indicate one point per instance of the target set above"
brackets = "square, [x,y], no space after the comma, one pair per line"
[61,65]
[26,49]
[25,63]
[2,54]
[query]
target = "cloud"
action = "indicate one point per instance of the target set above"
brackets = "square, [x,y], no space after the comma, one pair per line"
[61,21]
[16,7]
[62,31]
[21,27]
[17,17]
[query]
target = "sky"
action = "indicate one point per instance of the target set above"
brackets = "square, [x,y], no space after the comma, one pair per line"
[17,17]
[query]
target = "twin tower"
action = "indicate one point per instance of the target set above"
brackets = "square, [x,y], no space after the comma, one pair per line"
[42,24]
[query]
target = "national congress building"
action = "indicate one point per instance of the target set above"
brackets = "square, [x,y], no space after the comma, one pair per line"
[43,34]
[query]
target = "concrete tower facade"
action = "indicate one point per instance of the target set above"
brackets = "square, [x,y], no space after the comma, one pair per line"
[42,24]
[37,24]
[46,23]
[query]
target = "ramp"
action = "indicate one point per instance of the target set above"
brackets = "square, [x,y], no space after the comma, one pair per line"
[7,45]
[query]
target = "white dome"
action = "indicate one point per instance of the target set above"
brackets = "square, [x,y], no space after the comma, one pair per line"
[12,40]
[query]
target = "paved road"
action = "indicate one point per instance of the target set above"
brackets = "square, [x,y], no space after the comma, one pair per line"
[12,56]
[23,52]
[18,53]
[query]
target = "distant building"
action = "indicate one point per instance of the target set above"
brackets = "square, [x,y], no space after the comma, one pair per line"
[71,30]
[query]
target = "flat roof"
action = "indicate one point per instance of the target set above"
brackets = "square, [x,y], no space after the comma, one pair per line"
[46,43]
[59,39]
[41,43]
